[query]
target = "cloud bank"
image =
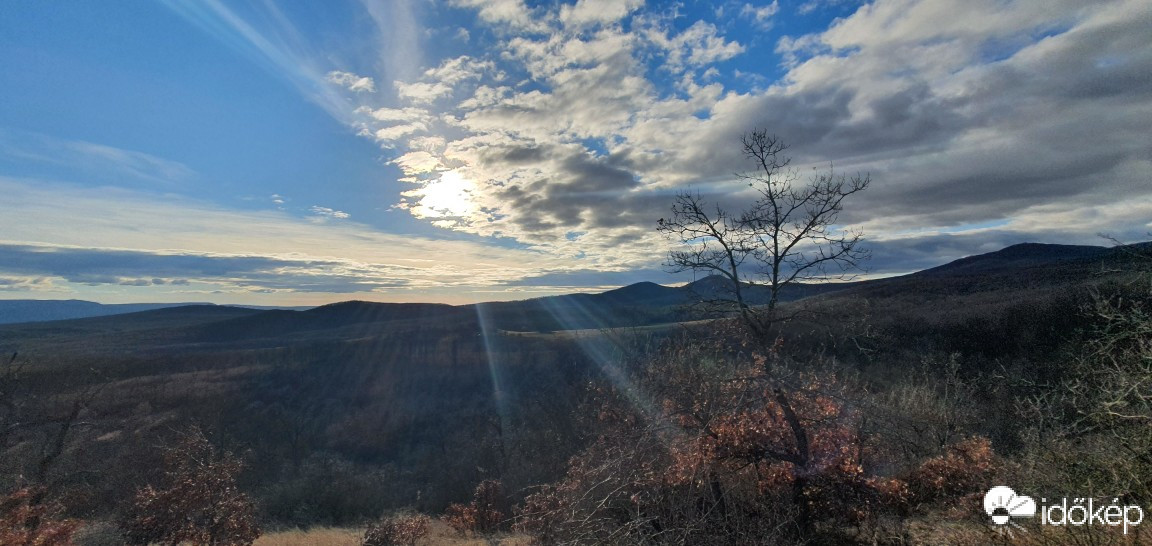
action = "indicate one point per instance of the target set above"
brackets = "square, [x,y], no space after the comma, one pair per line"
[543,141]
[569,129]
[118,237]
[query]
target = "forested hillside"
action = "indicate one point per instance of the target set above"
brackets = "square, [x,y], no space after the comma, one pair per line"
[913,393]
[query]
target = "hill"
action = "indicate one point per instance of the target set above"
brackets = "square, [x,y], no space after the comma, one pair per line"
[1017,267]
[636,304]
[17,311]
[1019,257]
[1025,266]
[13,311]
[351,409]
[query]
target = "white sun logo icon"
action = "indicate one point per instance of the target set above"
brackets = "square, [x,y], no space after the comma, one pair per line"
[1002,504]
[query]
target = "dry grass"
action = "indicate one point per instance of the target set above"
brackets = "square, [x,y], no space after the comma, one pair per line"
[438,533]
[317,536]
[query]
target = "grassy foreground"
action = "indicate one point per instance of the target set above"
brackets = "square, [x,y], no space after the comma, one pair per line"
[438,533]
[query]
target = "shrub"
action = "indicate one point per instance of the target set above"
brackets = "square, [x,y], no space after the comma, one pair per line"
[965,469]
[736,449]
[25,520]
[1092,431]
[198,501]
[486,513]
[402,530]
[541,515]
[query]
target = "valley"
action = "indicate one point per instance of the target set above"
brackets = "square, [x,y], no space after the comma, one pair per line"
[346,411]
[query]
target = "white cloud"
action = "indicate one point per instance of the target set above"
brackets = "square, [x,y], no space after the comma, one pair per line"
[698,45]
[814,5]
[329,213]
[120,166]
[422,92]
[405,115]
[453,71]
[513,13]
[30,283]
[964,113]
[588,12]
[265,249]
[437,83]
[395,132]
[760,16]
[352,82]
[417,162]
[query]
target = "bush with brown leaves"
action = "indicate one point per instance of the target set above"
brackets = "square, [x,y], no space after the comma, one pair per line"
[197,502]
[743,449]
[728,452]
[966,468]
[486,514]
[25,520]
[401,530]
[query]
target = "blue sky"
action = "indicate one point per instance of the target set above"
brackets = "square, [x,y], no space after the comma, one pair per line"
[458,150]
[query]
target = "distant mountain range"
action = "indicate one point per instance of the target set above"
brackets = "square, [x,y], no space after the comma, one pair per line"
[16,311]
[640,303]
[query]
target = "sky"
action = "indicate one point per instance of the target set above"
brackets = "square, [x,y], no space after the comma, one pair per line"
[301,153]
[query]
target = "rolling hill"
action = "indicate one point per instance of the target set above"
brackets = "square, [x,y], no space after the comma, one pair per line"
[1019,271]
[13,311]
[1015,267]
[353,408]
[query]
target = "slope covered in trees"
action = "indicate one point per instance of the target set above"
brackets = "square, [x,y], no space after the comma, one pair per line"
[912,394]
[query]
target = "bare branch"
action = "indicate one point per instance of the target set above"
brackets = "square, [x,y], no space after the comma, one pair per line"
[788,235]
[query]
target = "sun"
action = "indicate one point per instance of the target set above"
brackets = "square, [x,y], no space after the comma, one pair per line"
[447,196]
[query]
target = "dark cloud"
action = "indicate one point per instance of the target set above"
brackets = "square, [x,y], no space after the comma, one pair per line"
[98,265]
[513,155]
[584,192]
[90,279]
[585,175]
[997,184]
[1064,124]
[1029,118]
[139,268]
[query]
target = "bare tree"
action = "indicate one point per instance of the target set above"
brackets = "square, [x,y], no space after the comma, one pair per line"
[787,235]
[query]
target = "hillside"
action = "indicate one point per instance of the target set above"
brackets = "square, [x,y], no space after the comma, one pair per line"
[1018,269]
[636,304]
[17,311]
[350,409]
[1022,257]
[1025,266]
[13,311]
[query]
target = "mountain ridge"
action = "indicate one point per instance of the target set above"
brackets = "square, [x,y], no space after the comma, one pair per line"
[581,309]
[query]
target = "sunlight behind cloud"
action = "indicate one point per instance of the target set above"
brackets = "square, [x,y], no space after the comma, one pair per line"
[358,135]
[242,256]
[448,196]
[579,118]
